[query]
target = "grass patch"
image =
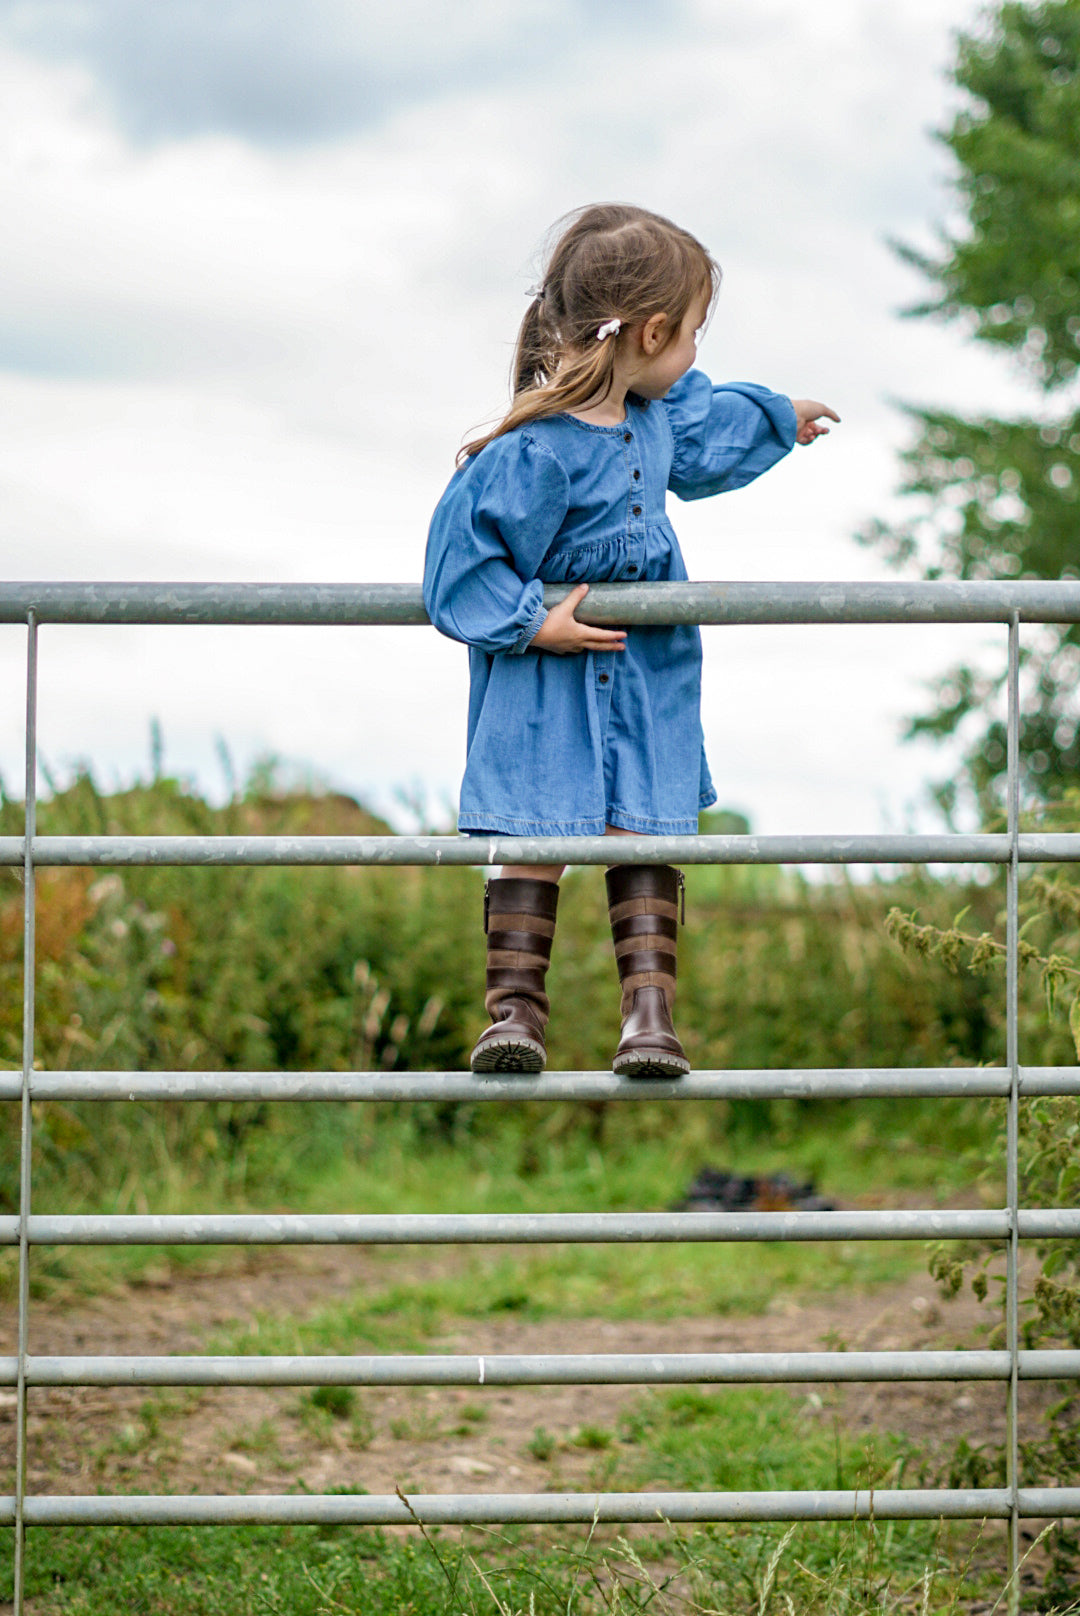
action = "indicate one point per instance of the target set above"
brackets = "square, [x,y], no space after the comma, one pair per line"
[759,1438]
[575,1282]
[811,1570]
[863,1162]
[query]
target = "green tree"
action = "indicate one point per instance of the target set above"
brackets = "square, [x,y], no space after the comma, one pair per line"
[993,498]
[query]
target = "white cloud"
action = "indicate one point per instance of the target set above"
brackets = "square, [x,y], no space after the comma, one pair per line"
[280,74]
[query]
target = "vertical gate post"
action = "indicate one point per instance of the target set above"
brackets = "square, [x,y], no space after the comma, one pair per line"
[25,1142]
[1012,1136]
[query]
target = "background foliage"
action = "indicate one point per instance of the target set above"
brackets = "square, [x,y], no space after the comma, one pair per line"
[992,497]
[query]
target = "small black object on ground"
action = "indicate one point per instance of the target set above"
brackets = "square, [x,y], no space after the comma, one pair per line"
[716,1190]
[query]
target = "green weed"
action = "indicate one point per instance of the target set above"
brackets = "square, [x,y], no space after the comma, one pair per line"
[340,1401]
[593,1437]
[542,1444]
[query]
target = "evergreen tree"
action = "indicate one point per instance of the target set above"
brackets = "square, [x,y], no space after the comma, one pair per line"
[999,498]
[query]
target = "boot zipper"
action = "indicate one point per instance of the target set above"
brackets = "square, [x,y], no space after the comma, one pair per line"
[487,903]
[682,893]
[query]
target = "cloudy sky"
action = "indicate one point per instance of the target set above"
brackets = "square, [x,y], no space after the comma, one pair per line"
[263,266]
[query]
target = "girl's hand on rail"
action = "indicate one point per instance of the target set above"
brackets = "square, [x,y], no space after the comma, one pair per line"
[807,413]
[562,633]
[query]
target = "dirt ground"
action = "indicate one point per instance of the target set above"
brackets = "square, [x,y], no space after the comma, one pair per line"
[420,1439]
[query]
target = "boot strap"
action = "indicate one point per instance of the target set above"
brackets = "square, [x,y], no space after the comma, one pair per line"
[521,942]
[508,959]
[520,895]
[642,906]
[645,926]
[515,979]
[647,959]
[630,883]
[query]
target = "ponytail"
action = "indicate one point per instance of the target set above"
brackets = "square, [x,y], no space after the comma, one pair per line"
[528,365]
[584,377]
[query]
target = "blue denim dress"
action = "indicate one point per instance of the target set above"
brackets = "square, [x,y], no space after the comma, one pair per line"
[564,745]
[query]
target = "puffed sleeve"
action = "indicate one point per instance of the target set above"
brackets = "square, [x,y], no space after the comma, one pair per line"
[488,536]
[724,436]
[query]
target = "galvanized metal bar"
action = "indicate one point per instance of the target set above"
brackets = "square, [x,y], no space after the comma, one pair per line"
[463,1509]
[631,604]
[449,1509]
[824,1083]
[125,851]
[855,1083]
[1037,1081]
[527,1228]
[533,1228]
[26,1115]
[1035,847]
[215,604]
[1012,1130]
[544,1369]
[386,851]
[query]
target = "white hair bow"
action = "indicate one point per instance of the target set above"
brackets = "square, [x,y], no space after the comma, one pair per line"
[610,329]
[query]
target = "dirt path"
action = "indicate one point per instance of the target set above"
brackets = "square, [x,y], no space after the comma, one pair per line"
[430,1440]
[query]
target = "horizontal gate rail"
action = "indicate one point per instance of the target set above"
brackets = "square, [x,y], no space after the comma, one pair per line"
[463,1509]
[260,851]
[823,1083]
[531,1228]
[626,605]
[57,852]
[608,605]
[542,1369]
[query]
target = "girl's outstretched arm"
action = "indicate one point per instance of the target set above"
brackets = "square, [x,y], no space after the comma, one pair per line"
[725,436]
[808,412]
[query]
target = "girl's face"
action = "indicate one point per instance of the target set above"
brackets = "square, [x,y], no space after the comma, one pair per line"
[660,371]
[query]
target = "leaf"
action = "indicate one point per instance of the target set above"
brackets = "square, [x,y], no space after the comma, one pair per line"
[1074,1024]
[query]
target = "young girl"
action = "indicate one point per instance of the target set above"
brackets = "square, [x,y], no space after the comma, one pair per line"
[579,731]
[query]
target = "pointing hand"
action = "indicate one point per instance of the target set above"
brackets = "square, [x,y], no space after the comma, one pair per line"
[807,413]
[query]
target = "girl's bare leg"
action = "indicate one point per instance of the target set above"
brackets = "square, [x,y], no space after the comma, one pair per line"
[531,872]
[548,872]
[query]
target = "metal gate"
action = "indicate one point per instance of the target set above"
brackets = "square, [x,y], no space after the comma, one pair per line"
[609,605]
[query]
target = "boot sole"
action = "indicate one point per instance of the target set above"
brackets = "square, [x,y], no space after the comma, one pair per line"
[646,1064]
[509,1055]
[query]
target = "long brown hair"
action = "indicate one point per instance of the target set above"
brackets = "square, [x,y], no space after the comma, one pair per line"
[608,262]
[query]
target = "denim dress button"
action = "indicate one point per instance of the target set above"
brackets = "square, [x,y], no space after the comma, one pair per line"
[628,437]
[637,510]
[603,678]
[631,572]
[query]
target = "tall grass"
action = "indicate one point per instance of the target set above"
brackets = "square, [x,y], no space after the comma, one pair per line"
[854,1569]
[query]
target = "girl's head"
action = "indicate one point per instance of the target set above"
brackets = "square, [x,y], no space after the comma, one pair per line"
[609,263]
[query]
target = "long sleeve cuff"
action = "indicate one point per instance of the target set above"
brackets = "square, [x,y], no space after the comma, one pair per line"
[529,632]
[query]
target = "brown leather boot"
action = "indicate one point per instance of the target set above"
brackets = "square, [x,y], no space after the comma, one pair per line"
[644,911]
[519,919]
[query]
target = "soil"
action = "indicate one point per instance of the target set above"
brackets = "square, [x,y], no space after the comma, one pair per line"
[85,1439]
